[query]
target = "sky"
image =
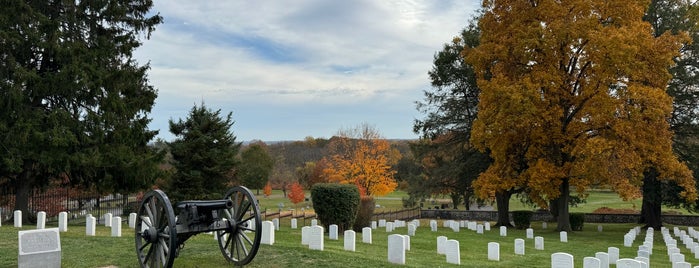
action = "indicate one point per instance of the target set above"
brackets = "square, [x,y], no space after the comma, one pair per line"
[293,69]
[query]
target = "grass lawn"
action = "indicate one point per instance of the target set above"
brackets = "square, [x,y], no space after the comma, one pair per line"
[202,250]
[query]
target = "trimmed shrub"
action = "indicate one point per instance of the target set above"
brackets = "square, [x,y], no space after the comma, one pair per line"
[576,221]
[522,218]
[364,214]
[335,204]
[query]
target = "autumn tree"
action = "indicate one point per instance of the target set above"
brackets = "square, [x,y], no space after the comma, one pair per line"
[75,103]
[361,156]
[267,189]
[296,193]
[569,93]
[256,166]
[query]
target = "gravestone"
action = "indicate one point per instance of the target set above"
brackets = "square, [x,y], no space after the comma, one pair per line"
[539,243]
[39,248]
[407,242]
[603,259]
[599,228]
[396,249]
[493,251]
[530,233]
[294,224]
[441,244]
[116,227]
[382,223]
[41,220]
[452,251]
[479,229]
[591,262]
[454,226]
[18,218]
[433,225]
[561,260]
[628,240]
[487,225]
[472,225]
[564,236]
[91,225]
[366,235]
[645,262]
[373,225]
[389,227]
[275,222]
[544,225]
[682,265]
[316,239]
[314,222]
[107,219]
[349,239]
[305,235]
[643,253]
[333,232]
[62,221]
[628,263]
[267,233]
[677,257]
[411,229]
[613,254]
[503,231]
[519,246]
[132,220]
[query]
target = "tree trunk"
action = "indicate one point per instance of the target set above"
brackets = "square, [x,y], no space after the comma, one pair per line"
[467,200]
[651,210]
[23,189]
[502,200]
[563,215]
[455,199]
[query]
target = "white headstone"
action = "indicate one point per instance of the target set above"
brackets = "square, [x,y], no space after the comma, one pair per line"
[433,225]
[599,228]
[268,233]
[613,254]
[382,223]
[373,225]
[503,231]
[441,244]
[333,232]
[645,262]
[107,217]
[530,233]
[643,253]
[396,249]
[314,222]
[681,265]
[389,227]
[493,251]
[317,237]
[603,259]
[479,228]
[454,225]
[91,225]
[677,257]
[18,218]
[41,220]
[519,246]
[407,242]
[628,240]
[472,225]
[487,225]
[116,227]
[132,220]
[62,221]
[39,248]
[453,252]
[564,236]
[539,243]
[561,260]
[294,223]
[275,221]
[305,235]
[411,229]
[628,263]
[349,239]
[366,235]
[591,262]
[544,225]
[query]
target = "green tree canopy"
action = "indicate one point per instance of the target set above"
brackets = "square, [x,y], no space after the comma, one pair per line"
[256,166]
[204,153]
[74,102]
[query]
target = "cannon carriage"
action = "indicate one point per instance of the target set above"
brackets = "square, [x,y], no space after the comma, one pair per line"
[160,234]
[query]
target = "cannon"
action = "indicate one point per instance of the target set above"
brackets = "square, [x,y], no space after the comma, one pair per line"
[160,234]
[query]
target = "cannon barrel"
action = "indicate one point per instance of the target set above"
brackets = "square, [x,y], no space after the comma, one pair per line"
[206,204]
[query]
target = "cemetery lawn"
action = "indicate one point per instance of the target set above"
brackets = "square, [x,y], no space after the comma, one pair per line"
[202,250]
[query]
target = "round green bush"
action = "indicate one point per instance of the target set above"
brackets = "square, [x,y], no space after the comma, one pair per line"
[335,204]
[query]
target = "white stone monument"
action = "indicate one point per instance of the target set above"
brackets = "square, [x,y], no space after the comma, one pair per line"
[366,235]
[539,243]
[91,225]
[411,229]
[452,251]
[305,235]
[18,218]
[519,246]
[314,222]
[479,229]
[396,249]
[132,220]
[382,223]
[41,220]
[433,225]
[591,262]
[294,223]
[333,232]
[628,263]
[493,251]
[503,231]
[63,221]
[561,260]
[603,258]
[107,219]
[39,248]
[530,233]
[564,236]
[275,222]
[441,244]
[316,241]
[613,254]
[116,227]
[349,240]
[487,225]
[268,233]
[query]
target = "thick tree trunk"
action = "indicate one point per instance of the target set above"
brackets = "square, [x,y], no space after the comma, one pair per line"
[23,189]
[651,210]
[563,215]
[467,201]
[502,200]
[455,200]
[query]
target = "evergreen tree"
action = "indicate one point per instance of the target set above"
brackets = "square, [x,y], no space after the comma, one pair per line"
[256,166]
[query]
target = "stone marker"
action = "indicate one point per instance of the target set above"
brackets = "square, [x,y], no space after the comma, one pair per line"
[561,260]
[91,225]
[18,218]
[305,235]
[132,220]
[373,225]
[628,240]
[41,220]
[333,232]
[433,225]
[539,243]
[454,225]
[366,235]
[487,225]
[407,242]
[591,262]
[39,248]
[314,222]
[116,227]
[603,259]
[411,229]
[441,243]
[645,262]
[530,233]
[613,254]
[682,265]
[349,239]
[294,224]
[519,246]
[382,223]
[564,236]
[63,221]
[544,225]
[479,229]
[267,233]
[452,251]
[389,227]
[493,251]
[316,238]
[396,249]
[628,263]
[275,221]
[677,257]
[503,231]
[107,219]
[599,228]
[643,253]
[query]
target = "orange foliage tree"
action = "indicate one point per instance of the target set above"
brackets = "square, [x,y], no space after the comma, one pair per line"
[296,194]
[268,189]
[362,157]
[573,95]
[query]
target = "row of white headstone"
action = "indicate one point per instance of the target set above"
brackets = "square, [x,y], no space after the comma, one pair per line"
[90,222]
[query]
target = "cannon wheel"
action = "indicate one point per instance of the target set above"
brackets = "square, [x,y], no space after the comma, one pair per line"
[241,239]
[156,234]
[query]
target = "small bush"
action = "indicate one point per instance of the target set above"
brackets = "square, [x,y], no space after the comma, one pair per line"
[522,218]
[364,214]
[576,221]
[335,204]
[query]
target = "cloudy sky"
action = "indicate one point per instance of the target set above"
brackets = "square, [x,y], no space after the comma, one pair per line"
[292,69]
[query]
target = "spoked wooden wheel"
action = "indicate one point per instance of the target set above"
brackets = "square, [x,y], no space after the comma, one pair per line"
[156,236]
[241,239]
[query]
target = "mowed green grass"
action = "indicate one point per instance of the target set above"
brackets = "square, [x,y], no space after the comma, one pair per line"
[202,250]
